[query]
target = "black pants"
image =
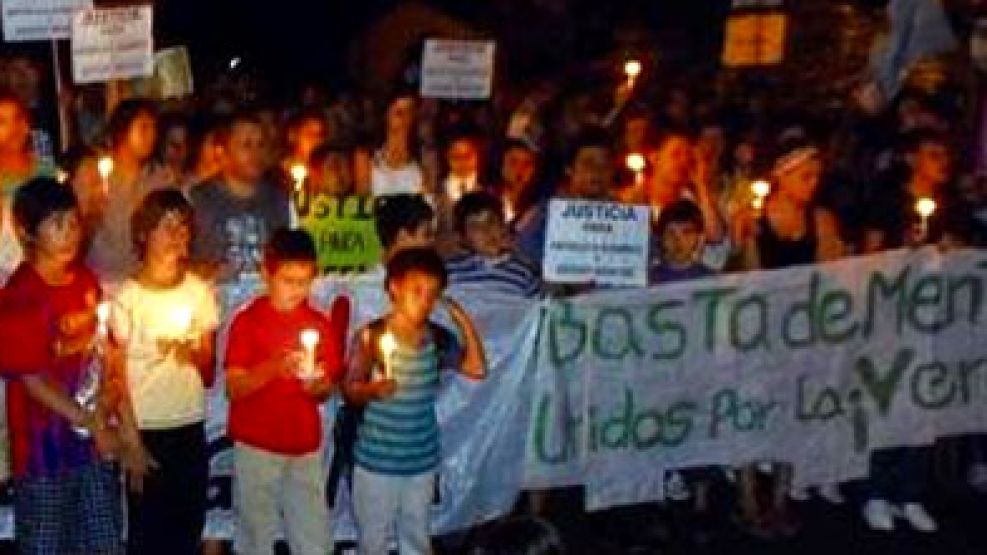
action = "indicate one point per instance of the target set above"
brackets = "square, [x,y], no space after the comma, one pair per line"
[167,518]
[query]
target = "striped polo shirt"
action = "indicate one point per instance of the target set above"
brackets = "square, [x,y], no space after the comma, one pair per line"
[400,436]
[509,274]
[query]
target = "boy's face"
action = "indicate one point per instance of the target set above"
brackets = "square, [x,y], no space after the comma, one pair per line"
[169,240]
[336,175]
[680,242]
[14,129]
[414,295]
[932,161]
[288,286]
[142,135]
[462,158]
[591,173]
[59,237]
[518,168]
[244,155]
[485,234]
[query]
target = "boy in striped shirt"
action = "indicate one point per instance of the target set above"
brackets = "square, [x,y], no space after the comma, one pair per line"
[394,375]
[489,259]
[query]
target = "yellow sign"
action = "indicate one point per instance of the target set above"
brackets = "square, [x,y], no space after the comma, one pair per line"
[755,39]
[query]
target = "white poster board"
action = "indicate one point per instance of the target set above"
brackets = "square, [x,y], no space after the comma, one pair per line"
[597,242]
[39,20]
[457,69]
[110,44]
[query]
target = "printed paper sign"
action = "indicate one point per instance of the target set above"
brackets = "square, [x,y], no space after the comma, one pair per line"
[458,69]
[110,44]
[39,20]
[597,242]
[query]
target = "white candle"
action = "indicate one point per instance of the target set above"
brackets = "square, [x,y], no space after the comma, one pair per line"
[925,207]
[761,189]
[635,162]
[388,344]
[309,339]
[299,172]
[103,319]
[632,69]
[105,168]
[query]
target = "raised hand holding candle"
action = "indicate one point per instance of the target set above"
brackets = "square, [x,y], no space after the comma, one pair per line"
[309,339]
[636,163]
[925,207]
[761,189]
[632,69]
[388,344]
[299,173]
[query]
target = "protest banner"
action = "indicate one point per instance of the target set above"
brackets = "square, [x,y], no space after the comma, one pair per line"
[115,43]
[40,20]
[597,242]
[344,231]
[457,69]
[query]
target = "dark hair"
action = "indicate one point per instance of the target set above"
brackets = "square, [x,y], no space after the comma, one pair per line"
[74,158]
[400,212]
[475,203]
[124,116]
[327,149]
[913,140]
[39,199]
[299,118]
[591,137]
[679,212]
[418,259]
[167,122]
[517,536]
[240,117]
[662,135]
[512,144]
[288,245]
[152,209]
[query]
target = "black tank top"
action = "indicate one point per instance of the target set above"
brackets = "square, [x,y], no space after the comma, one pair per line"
[775,252]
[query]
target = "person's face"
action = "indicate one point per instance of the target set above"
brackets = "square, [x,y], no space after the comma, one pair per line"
[932,162]
[800,183]
[289,285]
[210,156]
[485,234]
[401,115]
[336,177]
[244,155]
[712,140]
[88,185]
[59,237]
[422,236]
[462,158]
[24,79]
[168,242]
[176,147]
[14,128]
[310,134]
[413,296]
[591,173]
[142,135]
[518,168]
[673,161]
[680,242]
[635,131]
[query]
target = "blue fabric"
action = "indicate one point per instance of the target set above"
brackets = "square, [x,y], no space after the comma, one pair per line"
[508,275]
[918,28]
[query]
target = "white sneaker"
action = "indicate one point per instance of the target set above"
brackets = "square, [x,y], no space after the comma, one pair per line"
[878,515]
[919,518]
[676,488]
[831,494]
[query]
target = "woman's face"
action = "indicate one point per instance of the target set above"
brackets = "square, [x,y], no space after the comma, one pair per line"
[141,136]
[800,183]
[176,147]
[401,115]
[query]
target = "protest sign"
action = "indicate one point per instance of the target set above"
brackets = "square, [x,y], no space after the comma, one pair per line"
[40,20]
[597,242]
[115,43]
[344,231]
[172,76]
[457,69]
[756,34]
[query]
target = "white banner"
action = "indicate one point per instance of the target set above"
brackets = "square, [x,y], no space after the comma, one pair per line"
[40,20]
[597,242]
[115,43]
[457,69]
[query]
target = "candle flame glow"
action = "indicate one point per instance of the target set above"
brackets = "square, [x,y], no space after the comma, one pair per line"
[309,339]
[632,68]
[105,167]
[635,162]
[925,207]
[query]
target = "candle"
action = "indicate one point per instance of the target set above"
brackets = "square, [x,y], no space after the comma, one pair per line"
[62,176]
[761,189]
[299,172]
[181,320]
[102,319]
[105,168]
[925,207]
[388,344]
[632,69]
[635,162]
[309,339]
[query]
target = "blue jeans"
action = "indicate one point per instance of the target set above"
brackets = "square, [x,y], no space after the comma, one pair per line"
[384,504]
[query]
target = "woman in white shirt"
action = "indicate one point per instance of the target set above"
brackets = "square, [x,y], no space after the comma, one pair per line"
[394,168]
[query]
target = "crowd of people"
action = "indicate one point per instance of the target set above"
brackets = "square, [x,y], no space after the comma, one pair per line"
[182,218]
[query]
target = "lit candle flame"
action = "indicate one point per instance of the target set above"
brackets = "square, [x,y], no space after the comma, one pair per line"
[102,318]
[62,176]
[925,207]
[632,69]
[105,167]
[761,189]
[181,318]
[388,344]
[635,162]
[309,339]
[299,172]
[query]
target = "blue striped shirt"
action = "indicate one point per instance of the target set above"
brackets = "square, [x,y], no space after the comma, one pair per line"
[400,436]
[509,275]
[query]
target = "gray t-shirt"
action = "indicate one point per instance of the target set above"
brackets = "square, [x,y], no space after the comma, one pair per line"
[231,231]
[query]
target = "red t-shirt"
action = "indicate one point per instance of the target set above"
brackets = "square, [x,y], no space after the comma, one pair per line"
[280,417]
[42,443]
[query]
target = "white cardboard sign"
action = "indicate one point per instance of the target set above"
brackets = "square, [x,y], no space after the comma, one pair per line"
[457,69]
[40,20]
[116,43]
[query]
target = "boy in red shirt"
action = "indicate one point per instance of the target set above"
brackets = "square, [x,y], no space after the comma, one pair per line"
[274,418]
[66,499]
